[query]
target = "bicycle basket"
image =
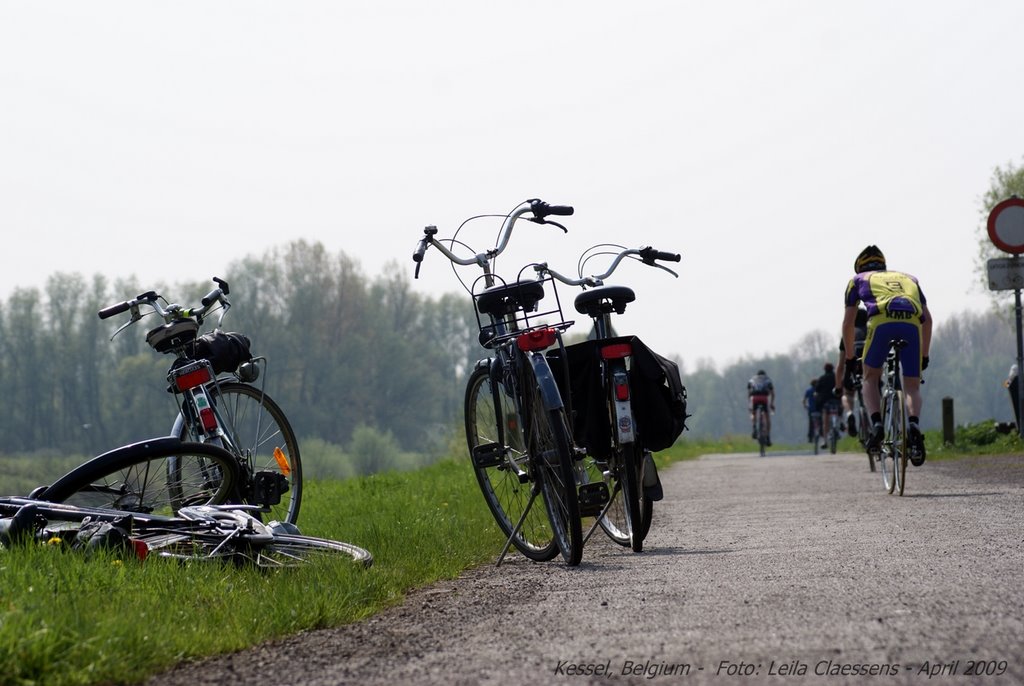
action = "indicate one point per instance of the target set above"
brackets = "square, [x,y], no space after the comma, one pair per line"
[516,305]
[173,335]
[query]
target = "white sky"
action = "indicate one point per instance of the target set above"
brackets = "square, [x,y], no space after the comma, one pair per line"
[766,141]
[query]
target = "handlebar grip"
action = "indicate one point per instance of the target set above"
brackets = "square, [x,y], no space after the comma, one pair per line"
[212,297]
[108,312]
[561,210]
[667,256]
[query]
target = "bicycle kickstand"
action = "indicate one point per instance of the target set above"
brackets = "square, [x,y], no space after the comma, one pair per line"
[519,525]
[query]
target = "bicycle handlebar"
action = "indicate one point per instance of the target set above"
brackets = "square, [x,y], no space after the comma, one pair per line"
[540,210]
[215,297]
[647,255]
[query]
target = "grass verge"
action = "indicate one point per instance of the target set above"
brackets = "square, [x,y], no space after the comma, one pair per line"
[66,619]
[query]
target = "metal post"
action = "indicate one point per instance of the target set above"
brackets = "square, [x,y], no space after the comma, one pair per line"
[1020,361]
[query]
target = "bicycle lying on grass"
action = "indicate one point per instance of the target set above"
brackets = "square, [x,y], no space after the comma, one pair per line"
[202,533]
[211,377]
[517,426]
[611,378]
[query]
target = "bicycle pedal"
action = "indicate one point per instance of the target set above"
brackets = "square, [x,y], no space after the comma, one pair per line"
[488,455]
[592,498]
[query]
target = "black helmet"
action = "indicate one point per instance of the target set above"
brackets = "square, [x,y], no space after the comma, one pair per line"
[870,259]
[760,372]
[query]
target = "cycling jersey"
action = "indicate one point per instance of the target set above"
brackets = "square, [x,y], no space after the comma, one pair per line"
[895,308]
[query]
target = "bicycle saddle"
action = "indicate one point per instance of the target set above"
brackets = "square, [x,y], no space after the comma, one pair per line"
[509,298]
[604,300]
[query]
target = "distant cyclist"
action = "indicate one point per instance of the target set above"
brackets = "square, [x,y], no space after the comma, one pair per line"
[825,399]
[860,332]
[761,392]
[896,309]
[811,408]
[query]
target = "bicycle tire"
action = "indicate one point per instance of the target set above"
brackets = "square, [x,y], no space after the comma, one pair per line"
[547,437]
[134,478]
[507,482]
[632,494]
[886,456]
[286,550]
[833,436]
[899,425]
[613,521]
[762,431]
[260,435]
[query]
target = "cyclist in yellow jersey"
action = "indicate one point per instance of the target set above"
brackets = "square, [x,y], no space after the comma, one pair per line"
[896,309]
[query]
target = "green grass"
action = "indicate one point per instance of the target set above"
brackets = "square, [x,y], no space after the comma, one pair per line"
[65,619]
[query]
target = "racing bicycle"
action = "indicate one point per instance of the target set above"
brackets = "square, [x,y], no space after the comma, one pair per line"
[517,427]
[892,453]
[211,377]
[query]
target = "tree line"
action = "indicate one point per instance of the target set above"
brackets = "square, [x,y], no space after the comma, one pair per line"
[348,351]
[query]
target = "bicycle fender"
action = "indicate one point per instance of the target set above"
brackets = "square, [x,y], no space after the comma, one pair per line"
[545,381]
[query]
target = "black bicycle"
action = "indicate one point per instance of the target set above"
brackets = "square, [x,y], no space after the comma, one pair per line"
[517,426]
[607,377]
[211,378]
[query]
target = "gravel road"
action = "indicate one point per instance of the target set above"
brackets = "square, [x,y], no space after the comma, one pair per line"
[784,569]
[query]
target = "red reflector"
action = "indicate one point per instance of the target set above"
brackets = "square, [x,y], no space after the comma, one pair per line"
[140,548]
[192,379]
[208,419]
[622,391]
[537,340]
[614,352]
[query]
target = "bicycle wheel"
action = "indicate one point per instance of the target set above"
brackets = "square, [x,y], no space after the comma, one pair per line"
[887,456]
[547,438]
[899,441]
[833,435]
[762,431]
[615,521]
[632,494]
[285,550]
[502,467]
[136,478]
[258,432]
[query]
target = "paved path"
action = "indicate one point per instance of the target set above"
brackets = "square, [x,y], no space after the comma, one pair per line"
[784,569]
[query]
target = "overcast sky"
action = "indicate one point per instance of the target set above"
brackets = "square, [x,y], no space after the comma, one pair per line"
[768,142]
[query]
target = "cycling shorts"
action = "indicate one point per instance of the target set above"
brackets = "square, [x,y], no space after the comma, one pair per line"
[758,399]
[880,336]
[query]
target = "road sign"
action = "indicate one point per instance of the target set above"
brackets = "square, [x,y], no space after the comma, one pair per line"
[1005,274]
[1006,227]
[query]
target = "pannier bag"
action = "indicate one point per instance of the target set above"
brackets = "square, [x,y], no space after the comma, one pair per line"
[225,350]
[658,395]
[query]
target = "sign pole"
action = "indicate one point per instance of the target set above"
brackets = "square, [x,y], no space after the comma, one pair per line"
[1020,359]
[1006,230]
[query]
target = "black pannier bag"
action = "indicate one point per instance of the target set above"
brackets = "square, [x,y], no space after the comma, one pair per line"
[225,350]
[658,395]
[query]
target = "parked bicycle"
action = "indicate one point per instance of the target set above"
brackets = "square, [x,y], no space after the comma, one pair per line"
[206,533]
[517,426]
[609,383]
[211,377]
[892,453]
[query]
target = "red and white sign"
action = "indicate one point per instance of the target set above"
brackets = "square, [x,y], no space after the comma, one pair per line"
[1006,225]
